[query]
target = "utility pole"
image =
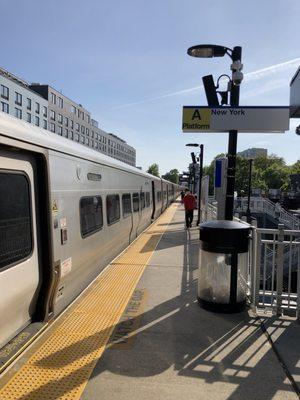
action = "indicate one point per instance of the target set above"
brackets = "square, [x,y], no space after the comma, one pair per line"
[249,191]
[200,182]
[232,143]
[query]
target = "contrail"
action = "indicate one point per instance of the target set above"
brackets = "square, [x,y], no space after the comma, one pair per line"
[248,77]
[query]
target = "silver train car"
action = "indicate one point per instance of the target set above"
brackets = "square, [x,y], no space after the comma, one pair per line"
[65,212]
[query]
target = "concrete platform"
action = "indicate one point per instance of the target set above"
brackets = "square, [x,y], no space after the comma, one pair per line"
[167,347]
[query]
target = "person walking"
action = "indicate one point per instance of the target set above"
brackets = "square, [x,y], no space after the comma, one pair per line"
[190,203]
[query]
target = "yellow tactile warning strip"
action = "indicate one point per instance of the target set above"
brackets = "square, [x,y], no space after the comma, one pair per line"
[62,365]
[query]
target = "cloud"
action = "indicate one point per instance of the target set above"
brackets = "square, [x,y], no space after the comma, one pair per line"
[248,77]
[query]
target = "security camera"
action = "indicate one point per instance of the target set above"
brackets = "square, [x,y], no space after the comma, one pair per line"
[237,78]
[236,66]
[298,130]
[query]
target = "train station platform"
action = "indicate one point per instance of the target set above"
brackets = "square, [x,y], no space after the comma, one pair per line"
[138,332]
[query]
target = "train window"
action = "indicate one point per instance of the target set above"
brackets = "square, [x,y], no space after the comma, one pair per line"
[142,200]
[113,208]
[135,202]
[126,204]
[165,194]
[91,215]
[15,218]
[147,199]
[158,195]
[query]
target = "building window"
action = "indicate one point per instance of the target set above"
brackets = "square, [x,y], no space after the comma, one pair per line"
[60,102]
[126,205]
[52,127]
[37,120]
[45,111]
[91,215]
[135,202]
[77,127]
[59,130]
[82,129]
[4,107]
[88,119]
[71,124]
[87,132]
[18,98]
[65,133]
[66,121]
[15,218]
[76,137]
[73,109]
[112,208]
[53,98]
[45,124]
[28,104]
[82,139]
[37,108]
[18,113]
[4,92]
[70,135]
[52,115]
[28,117]
[59,118]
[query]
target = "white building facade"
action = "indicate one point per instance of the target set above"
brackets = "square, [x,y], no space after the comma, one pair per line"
[44,106]
[21,102]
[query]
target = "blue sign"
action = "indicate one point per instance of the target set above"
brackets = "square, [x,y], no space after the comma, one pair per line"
[218,173]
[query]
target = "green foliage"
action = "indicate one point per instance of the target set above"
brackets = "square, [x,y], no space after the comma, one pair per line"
[153,169]
[268,172]
[172,176]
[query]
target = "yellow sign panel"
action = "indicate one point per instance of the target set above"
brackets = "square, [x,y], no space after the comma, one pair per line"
[196,119]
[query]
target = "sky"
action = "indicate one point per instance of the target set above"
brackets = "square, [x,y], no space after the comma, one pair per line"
[127,63]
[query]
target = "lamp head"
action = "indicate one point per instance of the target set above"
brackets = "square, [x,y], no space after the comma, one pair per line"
[207,51]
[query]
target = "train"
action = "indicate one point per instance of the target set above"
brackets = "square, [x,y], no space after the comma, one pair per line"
[66,211]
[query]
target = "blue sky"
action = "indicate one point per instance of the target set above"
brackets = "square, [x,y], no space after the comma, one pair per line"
[126,62]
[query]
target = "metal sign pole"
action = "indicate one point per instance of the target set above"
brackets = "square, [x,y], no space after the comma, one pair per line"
[232,144]
[200,183]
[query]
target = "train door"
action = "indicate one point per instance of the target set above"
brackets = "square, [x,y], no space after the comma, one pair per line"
[19,267]
[135,215]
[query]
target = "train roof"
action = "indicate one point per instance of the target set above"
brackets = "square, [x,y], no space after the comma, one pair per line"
[28,133]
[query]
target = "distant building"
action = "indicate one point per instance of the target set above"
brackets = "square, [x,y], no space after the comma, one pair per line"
[44,106]
[19,100]
[253,152]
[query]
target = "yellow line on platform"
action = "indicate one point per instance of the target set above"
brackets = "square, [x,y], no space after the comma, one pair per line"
[62,365]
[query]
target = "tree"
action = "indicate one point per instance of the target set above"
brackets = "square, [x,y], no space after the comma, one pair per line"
[172,176]
[153,169]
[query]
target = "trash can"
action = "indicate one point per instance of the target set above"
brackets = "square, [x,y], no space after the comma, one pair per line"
[223,267]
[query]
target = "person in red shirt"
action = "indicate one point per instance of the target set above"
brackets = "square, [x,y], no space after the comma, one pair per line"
[189,202]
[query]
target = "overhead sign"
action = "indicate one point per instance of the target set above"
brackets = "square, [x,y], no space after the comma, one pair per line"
[243,119]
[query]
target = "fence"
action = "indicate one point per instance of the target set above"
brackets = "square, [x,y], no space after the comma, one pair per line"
[275,270]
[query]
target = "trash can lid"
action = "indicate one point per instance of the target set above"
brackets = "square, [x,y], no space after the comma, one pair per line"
[223,236]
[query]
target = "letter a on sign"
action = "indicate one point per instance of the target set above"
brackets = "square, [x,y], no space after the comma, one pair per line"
[196,114]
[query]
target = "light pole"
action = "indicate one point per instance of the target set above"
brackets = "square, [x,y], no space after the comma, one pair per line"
[249,191]
[209,51]
[200,176]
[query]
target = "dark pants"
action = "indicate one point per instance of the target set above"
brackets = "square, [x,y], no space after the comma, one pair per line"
[189,215]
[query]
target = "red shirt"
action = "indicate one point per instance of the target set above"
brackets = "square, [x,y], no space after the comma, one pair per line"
[189,201]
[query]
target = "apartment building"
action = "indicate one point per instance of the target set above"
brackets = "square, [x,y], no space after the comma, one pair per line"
[44,106]
[19,100]
[71,120]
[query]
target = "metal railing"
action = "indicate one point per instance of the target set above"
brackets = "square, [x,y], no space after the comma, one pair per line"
[260,204]
[275,270]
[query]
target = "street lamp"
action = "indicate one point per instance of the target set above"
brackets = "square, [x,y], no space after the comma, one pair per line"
[200,176]
[209,51]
